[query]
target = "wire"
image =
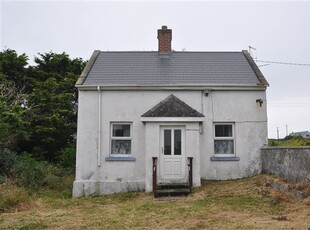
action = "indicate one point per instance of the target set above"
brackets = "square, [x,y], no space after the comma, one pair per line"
[263,65]
[289,104]
[282,63]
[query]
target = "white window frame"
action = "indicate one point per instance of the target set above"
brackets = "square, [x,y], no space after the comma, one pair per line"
[224,138]
[120,138]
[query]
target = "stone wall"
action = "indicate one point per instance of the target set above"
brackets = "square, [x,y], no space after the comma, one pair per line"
[290,163]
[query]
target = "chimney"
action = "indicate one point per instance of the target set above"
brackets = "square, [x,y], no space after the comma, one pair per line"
[164,36]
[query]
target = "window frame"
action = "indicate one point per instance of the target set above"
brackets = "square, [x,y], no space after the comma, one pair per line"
[120,138]
[224,138]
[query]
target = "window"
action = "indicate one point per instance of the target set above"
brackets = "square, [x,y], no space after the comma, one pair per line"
[224,139]
[120,139]
[172,141]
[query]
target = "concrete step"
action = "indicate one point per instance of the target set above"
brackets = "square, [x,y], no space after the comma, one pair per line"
[172,192]
[172,186]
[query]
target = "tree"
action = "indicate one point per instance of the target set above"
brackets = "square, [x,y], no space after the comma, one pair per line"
[12,98]
[13,67]
[53,121]
[11,115]
[38,104]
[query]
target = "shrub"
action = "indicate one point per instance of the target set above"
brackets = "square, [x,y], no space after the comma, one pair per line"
[33,175]
[289,141]
[66,157]
[273,143]
[7,161]
[55,177]
[28,172]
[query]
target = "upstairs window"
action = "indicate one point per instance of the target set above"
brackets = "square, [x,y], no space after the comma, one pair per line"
[121,139]
[224,143]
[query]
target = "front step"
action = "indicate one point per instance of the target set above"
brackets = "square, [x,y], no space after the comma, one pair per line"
[164,190]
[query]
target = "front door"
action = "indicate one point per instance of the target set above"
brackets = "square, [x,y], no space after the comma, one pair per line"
[172,155]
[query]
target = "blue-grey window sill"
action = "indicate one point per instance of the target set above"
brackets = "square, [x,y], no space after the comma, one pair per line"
[120,159]
[224,158]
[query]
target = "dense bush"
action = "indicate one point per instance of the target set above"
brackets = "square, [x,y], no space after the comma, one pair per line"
[272,142]
[35,175]
[58,178]
[28,172]
[7,161]
[66,157]
[24,171]
[22,176]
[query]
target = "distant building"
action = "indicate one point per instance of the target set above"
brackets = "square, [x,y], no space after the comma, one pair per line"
[304,134]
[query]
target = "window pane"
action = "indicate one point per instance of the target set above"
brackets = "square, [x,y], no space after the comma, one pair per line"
[223,131]
[223,146]
[121,147]
[167,142]
[121,130]
[177,142]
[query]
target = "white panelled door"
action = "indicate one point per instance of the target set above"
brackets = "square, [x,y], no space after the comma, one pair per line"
[172,154]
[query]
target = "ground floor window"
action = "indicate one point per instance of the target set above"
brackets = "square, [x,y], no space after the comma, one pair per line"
[121,134]
[224,143]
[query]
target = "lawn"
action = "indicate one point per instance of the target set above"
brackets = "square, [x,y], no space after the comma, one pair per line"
[235,204]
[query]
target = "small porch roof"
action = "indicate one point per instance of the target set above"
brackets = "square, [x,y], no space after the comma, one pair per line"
[172,109]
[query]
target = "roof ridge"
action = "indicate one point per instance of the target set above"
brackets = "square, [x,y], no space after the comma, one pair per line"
[151,51]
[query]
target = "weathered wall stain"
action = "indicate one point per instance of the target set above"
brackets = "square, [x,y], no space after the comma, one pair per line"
[290,163]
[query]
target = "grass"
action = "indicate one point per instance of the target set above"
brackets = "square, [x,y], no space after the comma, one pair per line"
[11,195]
[235,204]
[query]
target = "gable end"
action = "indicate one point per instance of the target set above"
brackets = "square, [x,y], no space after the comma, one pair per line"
[88,67]
[255,68]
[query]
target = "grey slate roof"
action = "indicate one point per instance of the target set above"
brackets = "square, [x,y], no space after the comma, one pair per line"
[172,107]
[180,68]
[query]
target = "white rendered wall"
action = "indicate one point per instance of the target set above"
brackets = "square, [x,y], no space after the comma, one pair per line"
[118,106]
[105,177]
[250,126]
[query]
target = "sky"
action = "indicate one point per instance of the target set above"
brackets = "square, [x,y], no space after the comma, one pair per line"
[278,30]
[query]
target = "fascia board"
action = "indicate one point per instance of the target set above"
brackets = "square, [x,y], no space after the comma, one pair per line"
[171,87]
[172,119]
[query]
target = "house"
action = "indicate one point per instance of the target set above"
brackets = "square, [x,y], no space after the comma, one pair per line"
[144,117]
[303,134]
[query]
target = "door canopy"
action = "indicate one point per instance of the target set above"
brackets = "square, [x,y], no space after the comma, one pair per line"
[172,107]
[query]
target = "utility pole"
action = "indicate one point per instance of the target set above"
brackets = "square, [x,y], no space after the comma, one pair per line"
[286,130]
[278,133]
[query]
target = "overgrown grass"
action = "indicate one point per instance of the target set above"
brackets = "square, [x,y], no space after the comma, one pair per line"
[236,204]
[11,195]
